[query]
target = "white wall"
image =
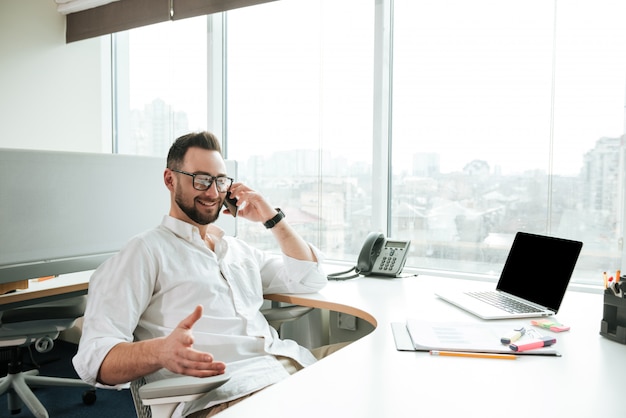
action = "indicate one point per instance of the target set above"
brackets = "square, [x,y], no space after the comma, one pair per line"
[53,95]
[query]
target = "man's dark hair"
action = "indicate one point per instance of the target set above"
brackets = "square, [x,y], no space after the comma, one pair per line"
[204,140]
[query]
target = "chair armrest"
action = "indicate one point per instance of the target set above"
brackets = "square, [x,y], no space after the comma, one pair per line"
[285,313]
[180,386]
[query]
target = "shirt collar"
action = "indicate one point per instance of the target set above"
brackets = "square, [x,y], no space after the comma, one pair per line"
[190,232]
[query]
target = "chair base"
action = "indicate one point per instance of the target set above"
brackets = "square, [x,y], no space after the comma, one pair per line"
[16,385]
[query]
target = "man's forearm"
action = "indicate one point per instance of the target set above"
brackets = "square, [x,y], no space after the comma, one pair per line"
[291,243]
[129,361]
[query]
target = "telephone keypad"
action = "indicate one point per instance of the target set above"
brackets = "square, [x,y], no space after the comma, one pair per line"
[388,263]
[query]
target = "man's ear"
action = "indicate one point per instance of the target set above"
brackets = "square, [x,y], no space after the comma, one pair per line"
[168,179]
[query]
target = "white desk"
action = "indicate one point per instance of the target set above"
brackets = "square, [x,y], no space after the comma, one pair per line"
[64,286]
[370,378]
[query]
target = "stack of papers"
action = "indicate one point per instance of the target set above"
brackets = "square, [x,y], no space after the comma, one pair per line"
[460,336]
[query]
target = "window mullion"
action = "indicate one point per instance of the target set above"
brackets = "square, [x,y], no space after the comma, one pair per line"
[381,156]
[216,77]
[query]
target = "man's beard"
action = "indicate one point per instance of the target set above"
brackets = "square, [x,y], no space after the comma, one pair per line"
[199,217]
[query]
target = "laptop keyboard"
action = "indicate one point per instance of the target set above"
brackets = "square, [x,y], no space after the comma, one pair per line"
[503,302]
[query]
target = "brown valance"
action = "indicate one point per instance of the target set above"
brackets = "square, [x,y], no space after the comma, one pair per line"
[127,14]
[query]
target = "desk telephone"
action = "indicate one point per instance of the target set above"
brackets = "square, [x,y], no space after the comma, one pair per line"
[378,257]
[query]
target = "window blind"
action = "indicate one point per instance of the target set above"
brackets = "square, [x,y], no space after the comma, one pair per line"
[127,14]
[190,8]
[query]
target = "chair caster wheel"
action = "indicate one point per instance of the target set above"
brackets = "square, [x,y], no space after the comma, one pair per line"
[44,344]
[89,397]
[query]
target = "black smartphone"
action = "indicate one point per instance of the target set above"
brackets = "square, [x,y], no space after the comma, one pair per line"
[230,203]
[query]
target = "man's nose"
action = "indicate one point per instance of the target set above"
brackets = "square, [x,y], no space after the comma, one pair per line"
[212,190]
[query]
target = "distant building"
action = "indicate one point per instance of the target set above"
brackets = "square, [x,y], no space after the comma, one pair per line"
[603,180]
[426,164]
[600,173]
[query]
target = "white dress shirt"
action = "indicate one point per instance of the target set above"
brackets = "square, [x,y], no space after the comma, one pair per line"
[146,289]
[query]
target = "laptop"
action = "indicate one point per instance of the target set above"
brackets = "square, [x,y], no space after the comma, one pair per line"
[535,276]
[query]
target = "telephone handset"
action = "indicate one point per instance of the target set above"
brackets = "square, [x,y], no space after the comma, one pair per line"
[378,257]
[230,203]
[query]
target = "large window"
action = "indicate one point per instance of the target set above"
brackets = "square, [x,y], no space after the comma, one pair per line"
[458,122]
[508,116]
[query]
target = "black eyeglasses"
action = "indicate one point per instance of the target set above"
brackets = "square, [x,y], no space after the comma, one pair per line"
[204,181]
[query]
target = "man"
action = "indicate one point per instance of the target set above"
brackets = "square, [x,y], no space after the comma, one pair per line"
[185,299]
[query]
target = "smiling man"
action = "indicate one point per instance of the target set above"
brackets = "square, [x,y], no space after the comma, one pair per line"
[183,298]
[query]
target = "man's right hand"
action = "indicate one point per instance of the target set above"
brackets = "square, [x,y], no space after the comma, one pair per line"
[178,355]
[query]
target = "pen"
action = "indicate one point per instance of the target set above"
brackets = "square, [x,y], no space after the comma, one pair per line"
[476,355]
[543,342]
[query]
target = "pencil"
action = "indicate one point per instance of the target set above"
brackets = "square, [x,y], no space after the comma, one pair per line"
[477,355]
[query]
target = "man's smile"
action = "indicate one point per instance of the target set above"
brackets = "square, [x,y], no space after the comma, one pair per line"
[207,203]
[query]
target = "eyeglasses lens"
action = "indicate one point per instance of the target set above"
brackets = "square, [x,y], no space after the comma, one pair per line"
[204,182]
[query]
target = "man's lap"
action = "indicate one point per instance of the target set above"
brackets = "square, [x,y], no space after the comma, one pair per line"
[289,364]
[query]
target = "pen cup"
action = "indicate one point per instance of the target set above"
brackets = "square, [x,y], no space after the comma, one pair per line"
[613,325]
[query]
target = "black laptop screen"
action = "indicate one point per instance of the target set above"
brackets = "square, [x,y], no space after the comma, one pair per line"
[538,268]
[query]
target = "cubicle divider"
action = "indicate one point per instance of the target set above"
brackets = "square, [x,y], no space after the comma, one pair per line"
[63,212]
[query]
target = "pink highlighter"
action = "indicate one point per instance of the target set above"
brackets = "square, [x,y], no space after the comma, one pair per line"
[542,342]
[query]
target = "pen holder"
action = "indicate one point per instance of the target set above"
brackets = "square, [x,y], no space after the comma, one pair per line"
[613,325]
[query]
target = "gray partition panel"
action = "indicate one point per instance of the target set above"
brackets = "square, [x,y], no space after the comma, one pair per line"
[62,212]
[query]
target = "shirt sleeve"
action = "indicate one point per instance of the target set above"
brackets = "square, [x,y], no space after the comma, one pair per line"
[284,274]
[119,290]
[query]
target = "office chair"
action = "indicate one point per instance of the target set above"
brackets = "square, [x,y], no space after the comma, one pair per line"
[159,399]
[38,325]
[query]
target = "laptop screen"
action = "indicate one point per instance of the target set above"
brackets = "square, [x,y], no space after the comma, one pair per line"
[538,268]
